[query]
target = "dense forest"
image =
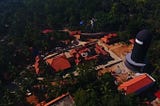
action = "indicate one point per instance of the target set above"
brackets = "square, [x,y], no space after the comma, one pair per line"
[21,24]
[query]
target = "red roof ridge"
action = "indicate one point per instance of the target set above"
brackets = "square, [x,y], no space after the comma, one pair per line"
[57,99]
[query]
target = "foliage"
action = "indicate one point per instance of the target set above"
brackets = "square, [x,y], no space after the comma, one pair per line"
[12,99]
[87,72]
[21,24]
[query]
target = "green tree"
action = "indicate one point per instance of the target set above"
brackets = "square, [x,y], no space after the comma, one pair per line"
[87,73]
[85,98]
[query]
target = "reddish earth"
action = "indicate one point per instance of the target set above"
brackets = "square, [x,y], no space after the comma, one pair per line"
[120,49]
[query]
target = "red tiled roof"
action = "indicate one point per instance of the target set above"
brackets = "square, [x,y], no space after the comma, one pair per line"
[59,63]
[100,49]
[74,33]
[36,64]
[73,51]
[77,61]
[77,55]
[49,61]
[157,94]
[91,57]
[97,50]
[136,83]
[106,38]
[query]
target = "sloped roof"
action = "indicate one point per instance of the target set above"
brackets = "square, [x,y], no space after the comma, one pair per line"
[74,33]
[107,37]
[136,83]
[101,50]
[49,61]
[63,100]
[59,63]
[157,94]
[36,64]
